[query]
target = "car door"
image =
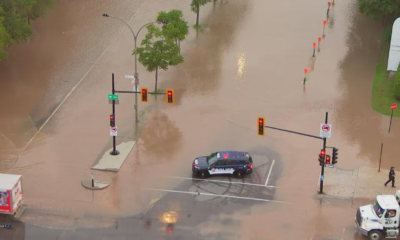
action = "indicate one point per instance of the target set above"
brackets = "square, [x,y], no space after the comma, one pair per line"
[222,167]
[391,218]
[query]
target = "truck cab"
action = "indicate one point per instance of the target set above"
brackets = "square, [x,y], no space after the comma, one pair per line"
[381,219]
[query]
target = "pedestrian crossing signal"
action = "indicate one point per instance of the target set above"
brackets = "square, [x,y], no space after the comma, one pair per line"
[144,94]
[170,96]
[261,126]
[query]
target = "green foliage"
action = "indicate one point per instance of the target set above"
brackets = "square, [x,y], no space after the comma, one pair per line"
[379,8]
[195,6]
[177,27]
[157,52]
[397,84]
[5,38]
[15,16]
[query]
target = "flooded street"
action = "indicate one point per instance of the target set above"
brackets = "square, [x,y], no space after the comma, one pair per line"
[248,62]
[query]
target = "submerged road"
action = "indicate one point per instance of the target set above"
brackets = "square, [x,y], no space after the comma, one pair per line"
[248,62]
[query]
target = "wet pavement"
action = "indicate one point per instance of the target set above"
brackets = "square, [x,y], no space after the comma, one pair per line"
[249,62]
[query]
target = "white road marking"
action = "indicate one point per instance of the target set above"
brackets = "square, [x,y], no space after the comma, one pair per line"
[269,173]
[205,180]
[344,229]
[216,195]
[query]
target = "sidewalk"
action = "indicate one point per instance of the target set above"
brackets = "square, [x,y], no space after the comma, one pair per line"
[362,185]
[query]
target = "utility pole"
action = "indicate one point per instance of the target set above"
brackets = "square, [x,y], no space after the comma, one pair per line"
[114,151]
[321,185]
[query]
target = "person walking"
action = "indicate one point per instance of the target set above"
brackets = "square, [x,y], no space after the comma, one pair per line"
[392,175]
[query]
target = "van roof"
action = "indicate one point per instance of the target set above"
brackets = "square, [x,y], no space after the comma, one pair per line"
[387,201]
[8,181]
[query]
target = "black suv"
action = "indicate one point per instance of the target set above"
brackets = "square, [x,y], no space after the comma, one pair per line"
[218,163]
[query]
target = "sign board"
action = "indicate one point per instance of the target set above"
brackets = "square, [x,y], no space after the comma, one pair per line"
[325,130]
[329,166]
[113,131]
[113,97]
[394,52]
[393,107]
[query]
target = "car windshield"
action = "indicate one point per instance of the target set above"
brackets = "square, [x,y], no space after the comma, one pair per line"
[212,158]
[378,210]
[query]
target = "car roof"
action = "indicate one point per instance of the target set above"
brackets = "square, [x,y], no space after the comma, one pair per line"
[232,155]
[387,201]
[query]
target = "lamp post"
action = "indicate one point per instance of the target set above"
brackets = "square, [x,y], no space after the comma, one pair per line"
[136,75]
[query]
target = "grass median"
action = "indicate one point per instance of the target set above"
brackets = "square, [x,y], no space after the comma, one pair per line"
[383,85]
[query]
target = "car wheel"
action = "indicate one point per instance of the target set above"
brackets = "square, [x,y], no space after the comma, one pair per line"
[239,174]
[375,235]
[203,174]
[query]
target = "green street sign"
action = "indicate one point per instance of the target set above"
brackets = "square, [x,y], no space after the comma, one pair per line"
[113,97]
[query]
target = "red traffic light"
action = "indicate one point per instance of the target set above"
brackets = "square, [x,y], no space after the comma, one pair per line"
[111,117]
[261,126]
[170,96]
[144,95]
[328,160]
[322,152]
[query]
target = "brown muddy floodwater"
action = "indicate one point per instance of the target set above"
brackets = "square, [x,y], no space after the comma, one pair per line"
[248,62]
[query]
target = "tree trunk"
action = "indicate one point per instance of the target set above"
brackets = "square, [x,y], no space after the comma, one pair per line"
[198,11]
[179,47]
[383,20]
[29,20]
[155,89]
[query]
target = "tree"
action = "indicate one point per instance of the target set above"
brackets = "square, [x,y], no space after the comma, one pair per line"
[195,5]
[156,52]
[5,38]
[379,8]
[176,28]
[15,19]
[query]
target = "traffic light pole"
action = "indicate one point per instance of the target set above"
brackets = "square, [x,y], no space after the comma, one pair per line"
[114,151]
[321,184]
[318,137]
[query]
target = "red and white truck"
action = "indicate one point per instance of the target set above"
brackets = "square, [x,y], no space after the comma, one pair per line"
[11,195]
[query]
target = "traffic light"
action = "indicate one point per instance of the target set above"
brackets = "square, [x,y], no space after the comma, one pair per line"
[145,94]
[334,155]
[328,159]
[321,158]
[170,96]
[261,126]
[112,120]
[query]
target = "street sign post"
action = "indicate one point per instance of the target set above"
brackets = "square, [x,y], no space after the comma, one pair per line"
[113,97]
[113,131]
[325,130]
[393,107]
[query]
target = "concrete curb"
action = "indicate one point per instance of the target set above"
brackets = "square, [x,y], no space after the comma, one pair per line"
[87,183]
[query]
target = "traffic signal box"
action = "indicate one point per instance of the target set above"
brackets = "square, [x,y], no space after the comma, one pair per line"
[170,96]
[112,120]
[321,158]
[261,126]
[328,159]
[144,94]
[334,155]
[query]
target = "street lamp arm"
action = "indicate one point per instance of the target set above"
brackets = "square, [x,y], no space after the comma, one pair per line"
[143,27]
[133,33]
